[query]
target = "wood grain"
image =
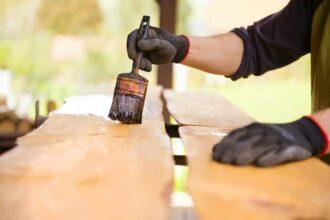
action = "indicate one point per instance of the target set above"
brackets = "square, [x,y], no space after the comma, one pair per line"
[293,191]
[298,190]
[205,109]
[87,167]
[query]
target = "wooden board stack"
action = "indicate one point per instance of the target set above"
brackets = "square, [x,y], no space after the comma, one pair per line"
[80,165]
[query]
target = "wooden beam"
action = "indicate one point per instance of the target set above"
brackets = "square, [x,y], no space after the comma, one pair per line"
[299,190]
[167,22]
[84,166]
[167,10]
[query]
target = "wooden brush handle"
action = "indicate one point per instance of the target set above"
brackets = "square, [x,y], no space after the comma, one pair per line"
[142,34]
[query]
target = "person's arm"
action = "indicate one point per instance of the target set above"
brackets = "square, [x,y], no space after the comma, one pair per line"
[219,54]
[270,43]
[271,144]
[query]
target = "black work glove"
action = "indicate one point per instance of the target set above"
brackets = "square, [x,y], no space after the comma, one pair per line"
[271,144]
[160,47]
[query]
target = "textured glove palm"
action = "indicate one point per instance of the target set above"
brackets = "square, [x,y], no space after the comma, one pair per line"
[270,144]
[160,47]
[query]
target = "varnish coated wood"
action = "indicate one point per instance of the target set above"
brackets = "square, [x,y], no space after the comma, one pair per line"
[87,167]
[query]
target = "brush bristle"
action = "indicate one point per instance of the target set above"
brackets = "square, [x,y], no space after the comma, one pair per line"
[127,109]
[128,101]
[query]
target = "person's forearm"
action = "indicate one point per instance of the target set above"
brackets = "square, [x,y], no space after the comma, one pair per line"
[323,118]
[220,54]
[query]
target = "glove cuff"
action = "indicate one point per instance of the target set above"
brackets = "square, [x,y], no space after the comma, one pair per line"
[313,133]
[182,45]
[326,138]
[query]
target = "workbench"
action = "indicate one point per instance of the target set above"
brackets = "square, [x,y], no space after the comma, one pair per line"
[81,165]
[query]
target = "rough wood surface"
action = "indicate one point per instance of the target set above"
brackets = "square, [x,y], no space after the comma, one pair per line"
[294,191]
[86,167]
[206,109]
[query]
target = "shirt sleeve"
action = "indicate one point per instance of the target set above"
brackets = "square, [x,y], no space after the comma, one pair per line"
[277,39]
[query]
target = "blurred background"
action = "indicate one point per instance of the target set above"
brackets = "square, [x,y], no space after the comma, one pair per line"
[52,49]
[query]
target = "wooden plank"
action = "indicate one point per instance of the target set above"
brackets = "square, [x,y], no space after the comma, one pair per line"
[87,167]
[207,109]
[293,191]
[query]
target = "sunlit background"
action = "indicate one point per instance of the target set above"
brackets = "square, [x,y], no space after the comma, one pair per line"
[51,49]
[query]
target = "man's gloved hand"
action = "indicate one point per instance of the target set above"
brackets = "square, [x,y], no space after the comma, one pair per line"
[160,47]
[271,144]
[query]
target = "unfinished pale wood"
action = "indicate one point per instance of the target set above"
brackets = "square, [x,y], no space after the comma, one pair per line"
[298,190]
[87,167]
[207,109]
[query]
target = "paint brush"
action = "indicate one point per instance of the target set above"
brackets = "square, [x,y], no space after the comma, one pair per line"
[131,88]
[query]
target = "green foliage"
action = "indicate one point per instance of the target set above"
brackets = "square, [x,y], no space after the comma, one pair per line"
[93,67]
[268,100]
[121,17]
[184,11]
[28,58]
[8,5]
[69,17]
[273,101]
[5,53]
[180,178]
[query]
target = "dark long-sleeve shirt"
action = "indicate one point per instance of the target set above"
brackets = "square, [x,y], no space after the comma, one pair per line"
[277,39]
